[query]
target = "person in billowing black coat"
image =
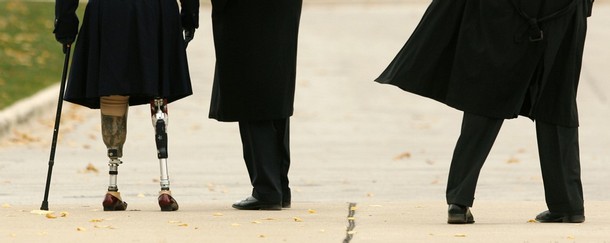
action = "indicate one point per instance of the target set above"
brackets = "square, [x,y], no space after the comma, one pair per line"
[128,53]
[496,60]
[254,85]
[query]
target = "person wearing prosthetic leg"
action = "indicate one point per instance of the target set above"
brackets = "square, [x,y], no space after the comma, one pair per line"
[128,53]
[497,60]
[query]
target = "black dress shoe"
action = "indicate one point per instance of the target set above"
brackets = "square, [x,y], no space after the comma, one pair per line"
[459,215]
[252,203]
[550,217]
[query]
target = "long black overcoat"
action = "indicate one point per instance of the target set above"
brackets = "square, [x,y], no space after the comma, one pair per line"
[256,50]
[133,48]
[485,57]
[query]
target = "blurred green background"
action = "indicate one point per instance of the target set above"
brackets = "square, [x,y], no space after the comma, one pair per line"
[30,58]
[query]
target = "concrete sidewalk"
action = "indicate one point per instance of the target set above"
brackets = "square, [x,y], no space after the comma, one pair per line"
[353,140]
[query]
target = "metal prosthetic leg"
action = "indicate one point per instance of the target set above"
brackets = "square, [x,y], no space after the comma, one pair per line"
[114,131]
[158,108]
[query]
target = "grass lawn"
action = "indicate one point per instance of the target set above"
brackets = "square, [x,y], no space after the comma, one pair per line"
[30,58]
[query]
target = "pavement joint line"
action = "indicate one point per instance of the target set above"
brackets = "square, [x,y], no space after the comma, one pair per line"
[351,222]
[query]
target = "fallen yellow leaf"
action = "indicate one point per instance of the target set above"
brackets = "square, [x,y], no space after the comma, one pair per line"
[183,225]
[404,155]
[297,219]
[91,168]
[80,229]
[96,220]
[63,214]
[512,160]
[50,216]
[311,211]
[6,205]
[460,235]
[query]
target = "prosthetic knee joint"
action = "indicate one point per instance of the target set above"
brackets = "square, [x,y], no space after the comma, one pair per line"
[158,109]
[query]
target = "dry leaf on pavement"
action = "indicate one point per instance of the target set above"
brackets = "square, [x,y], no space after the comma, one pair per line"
[404,155]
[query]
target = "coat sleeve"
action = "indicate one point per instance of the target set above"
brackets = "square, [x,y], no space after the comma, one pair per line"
[64,7]
[589,7]
[66,21]
[189,13]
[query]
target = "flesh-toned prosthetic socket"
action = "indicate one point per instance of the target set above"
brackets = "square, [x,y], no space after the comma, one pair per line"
[158,110]
[114,132]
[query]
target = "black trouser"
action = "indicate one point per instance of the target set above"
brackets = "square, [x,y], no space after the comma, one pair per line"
[559,159]
[267,156]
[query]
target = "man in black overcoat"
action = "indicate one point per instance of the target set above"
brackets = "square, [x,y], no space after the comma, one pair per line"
[254,85]
[496,60]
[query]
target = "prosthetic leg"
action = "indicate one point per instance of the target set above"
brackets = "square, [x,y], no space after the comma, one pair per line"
[158,109]
[114,130]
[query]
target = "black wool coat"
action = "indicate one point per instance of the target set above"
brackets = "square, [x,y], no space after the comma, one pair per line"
[256,51]
[133,48]
[500,58]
